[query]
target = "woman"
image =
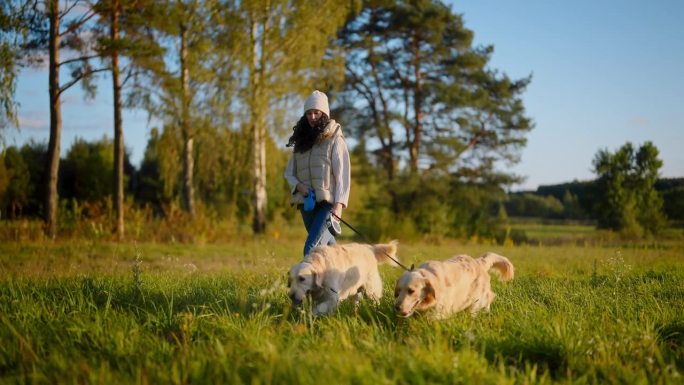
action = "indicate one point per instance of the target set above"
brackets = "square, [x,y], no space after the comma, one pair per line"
[318,171]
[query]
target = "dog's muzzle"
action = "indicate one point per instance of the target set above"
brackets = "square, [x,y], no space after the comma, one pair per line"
[401,313]
[408,313]
[296,300]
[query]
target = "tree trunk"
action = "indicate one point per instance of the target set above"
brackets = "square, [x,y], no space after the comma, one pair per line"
[118,129]
[414,148]
[52,167]
[259,159]
[188,137]
[258,136]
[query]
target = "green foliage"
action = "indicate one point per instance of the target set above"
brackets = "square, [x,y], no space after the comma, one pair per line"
[626,197]
[156,313]
[221,175]
[417,85]
[532,205]
[7,86]
[150,188]
[674,203]
[439,120]
[572,209]
[24,180]
[583,191]
[87,172]
[585,195]
[411,67]
[161,177]
[414,206]
[475,208]
[15,187]
[15,21]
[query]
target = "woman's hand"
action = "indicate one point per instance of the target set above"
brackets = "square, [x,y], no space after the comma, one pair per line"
[337,209]
[302,189]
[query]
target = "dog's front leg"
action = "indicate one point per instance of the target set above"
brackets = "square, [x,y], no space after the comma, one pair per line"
[356,298]
[329,304]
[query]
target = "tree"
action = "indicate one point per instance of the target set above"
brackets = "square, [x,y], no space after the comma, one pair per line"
[128,45]
[438,118]
[55,26]
[149,189]
[626,199]
[178,69]
[23,179]
[10,25]
[85,174]
[532,205]
[15,187]
[283,50]
[674,204]
[85,171]
[110,48]
[571,206]
[428,93]
[16,19]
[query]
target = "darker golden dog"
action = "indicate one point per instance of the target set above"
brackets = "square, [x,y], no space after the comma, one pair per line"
[447,287]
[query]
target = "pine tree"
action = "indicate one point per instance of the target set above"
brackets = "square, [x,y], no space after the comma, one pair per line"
[414,74]
[56,26]
[110,47]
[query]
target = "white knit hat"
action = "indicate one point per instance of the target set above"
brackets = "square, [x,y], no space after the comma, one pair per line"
[317,101]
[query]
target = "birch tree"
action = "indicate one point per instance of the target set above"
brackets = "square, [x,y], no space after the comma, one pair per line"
[284,57]
[15,17]
[178,71]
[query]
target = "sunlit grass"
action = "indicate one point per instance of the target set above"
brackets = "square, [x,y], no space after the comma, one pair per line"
[79,312]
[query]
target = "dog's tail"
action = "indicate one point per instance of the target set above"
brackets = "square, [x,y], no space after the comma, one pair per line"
[386,253]
[499,263]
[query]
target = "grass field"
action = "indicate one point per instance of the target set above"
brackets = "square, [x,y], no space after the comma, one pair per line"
[88,312]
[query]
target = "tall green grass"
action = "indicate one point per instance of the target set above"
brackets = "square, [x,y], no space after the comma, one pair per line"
[170,314]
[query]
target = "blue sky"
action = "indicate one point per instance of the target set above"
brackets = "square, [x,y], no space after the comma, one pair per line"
[604,72]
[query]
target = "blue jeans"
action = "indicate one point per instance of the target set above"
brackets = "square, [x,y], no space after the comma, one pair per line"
[316,225]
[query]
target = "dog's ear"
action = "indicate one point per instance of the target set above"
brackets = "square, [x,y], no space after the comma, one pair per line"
[317,279]
[428,294]
[317,269]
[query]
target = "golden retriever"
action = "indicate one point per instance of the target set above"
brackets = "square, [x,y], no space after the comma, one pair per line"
[331,274]
[447,287]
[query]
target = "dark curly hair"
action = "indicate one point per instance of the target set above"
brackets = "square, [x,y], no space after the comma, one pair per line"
[305,135]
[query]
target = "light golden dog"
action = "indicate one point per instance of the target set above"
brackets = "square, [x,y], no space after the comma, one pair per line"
[447,287]
[331,274]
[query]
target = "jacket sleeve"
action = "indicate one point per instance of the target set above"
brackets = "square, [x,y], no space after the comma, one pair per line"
[341,169]
[290,175]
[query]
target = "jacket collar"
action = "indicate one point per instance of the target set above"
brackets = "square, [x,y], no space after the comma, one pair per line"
[332,129]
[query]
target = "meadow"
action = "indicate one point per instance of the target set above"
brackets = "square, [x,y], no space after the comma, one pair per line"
[98,312]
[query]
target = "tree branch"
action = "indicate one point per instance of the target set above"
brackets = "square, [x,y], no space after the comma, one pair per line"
[129,74]
[84,19]
[68,8]
[78,78]
[82,58]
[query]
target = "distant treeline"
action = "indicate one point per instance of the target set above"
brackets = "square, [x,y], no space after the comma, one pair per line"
[443,206]
[578,200]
